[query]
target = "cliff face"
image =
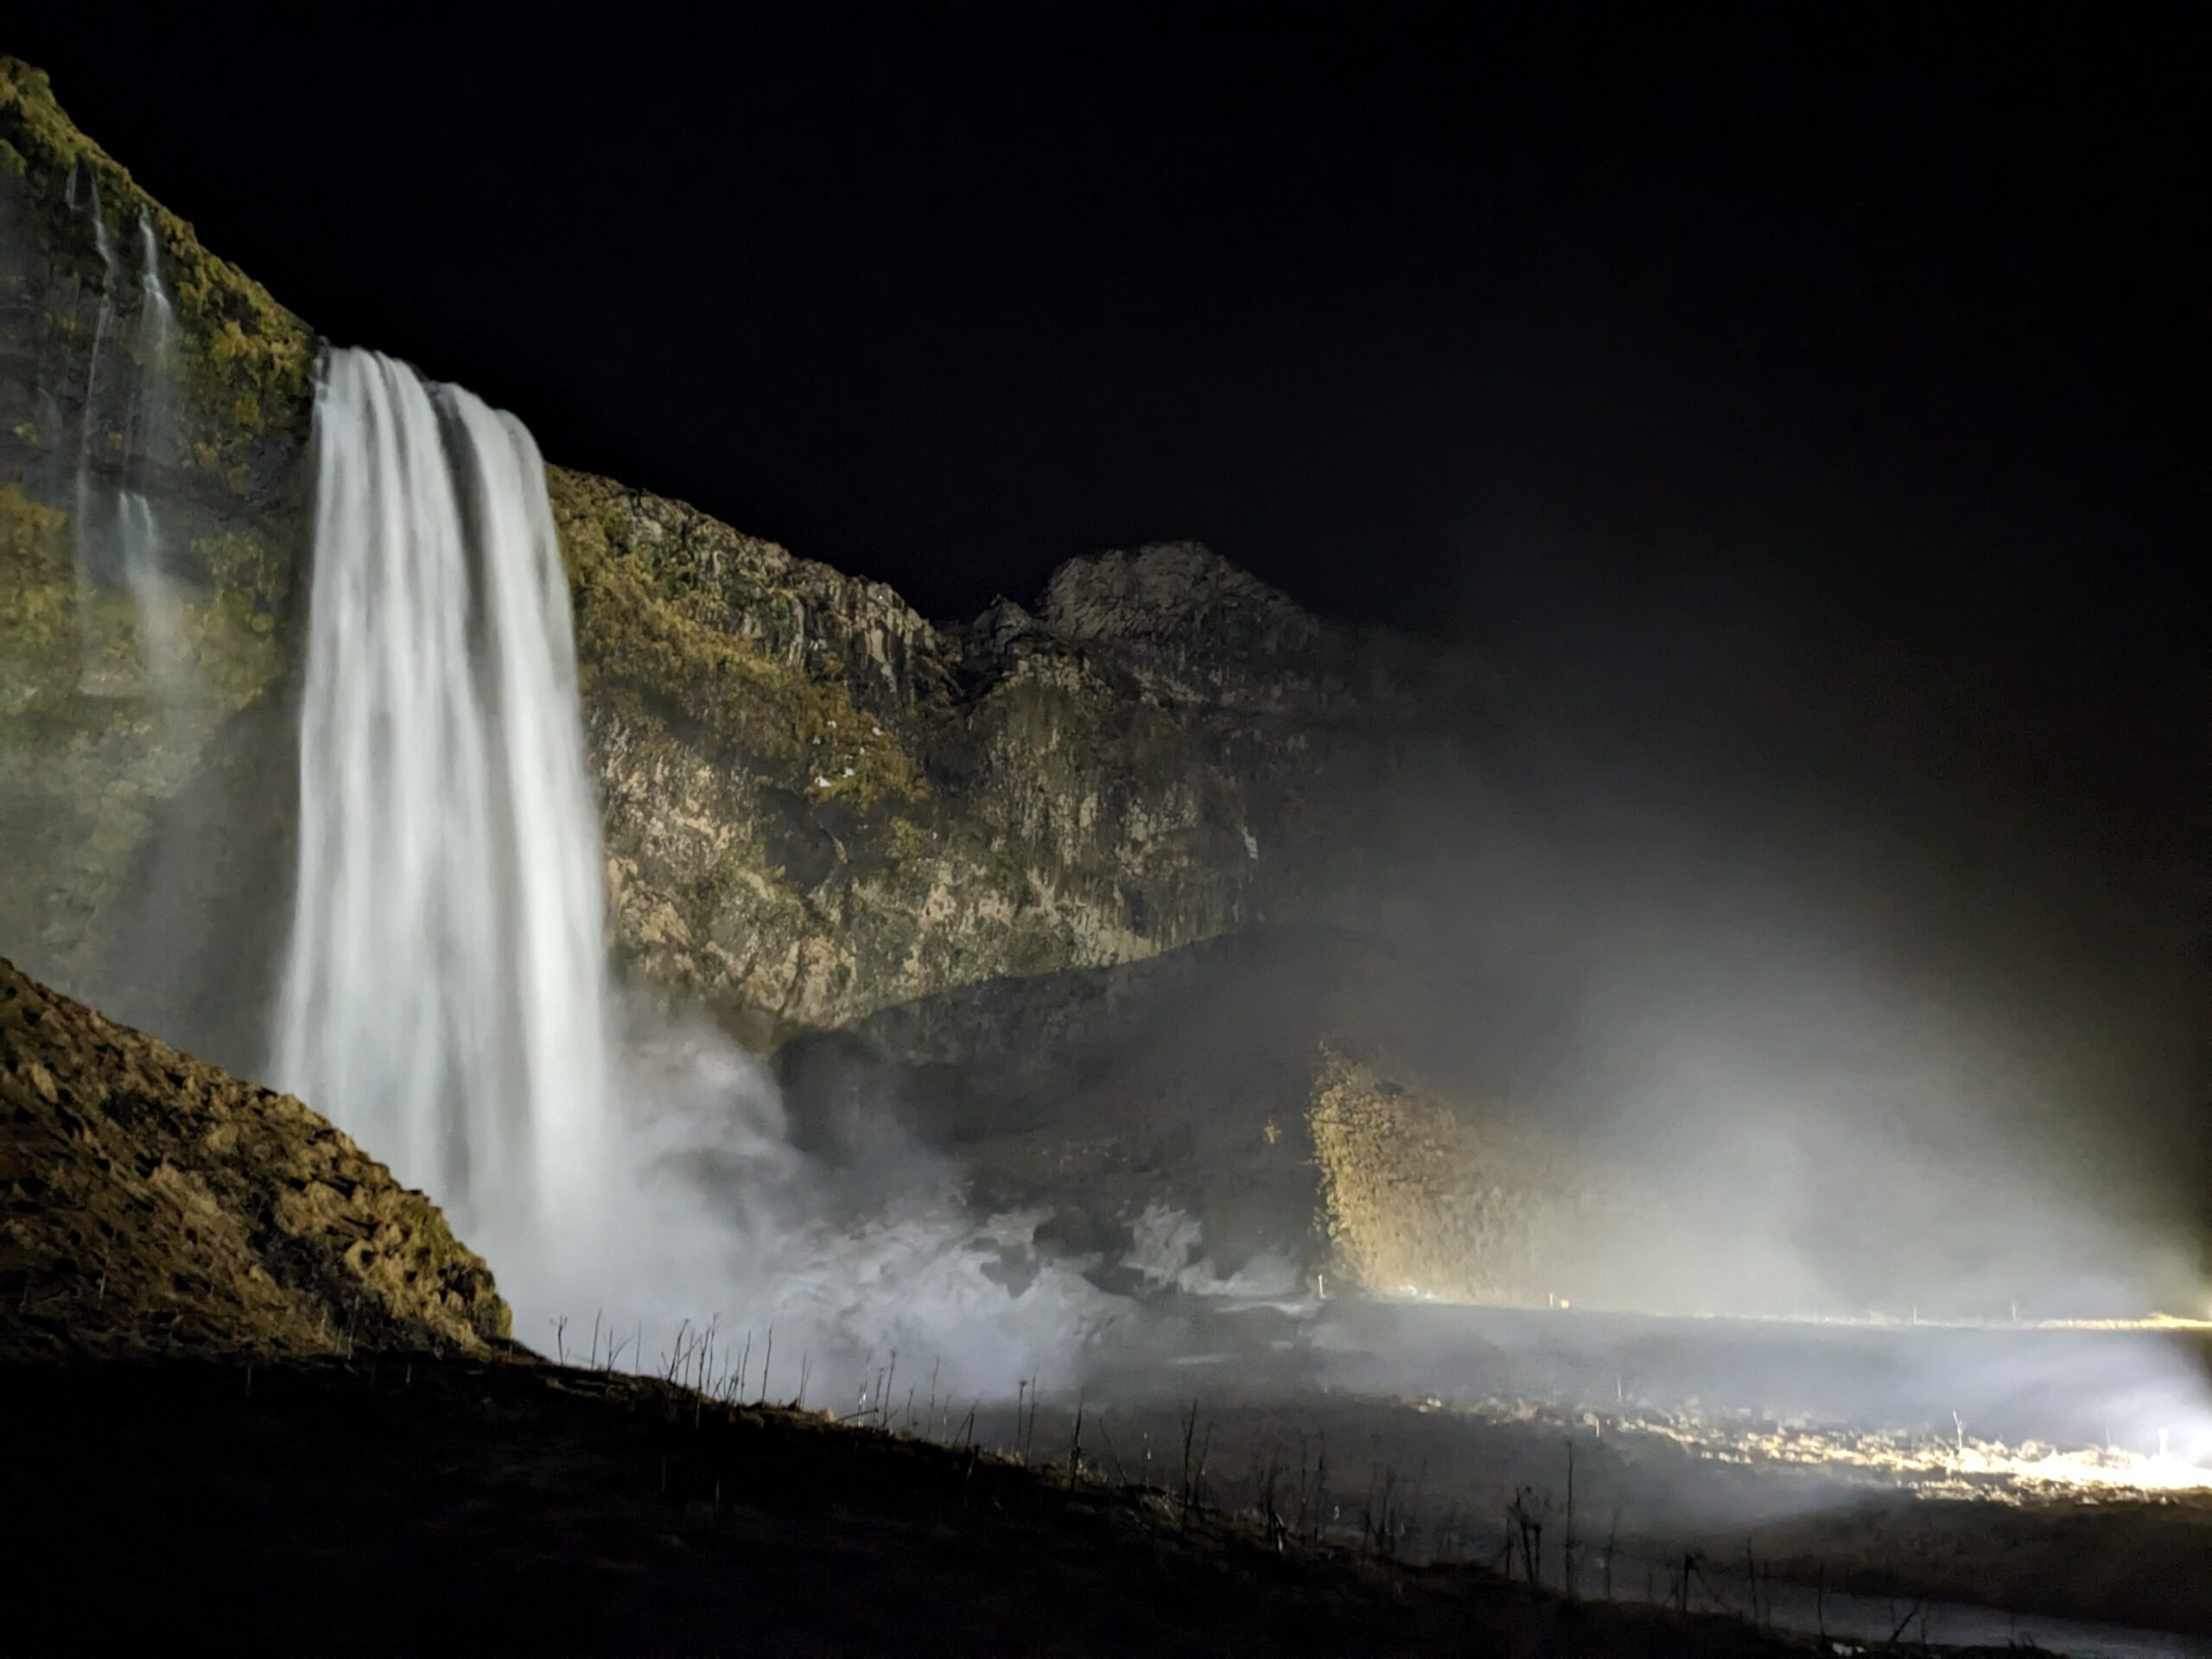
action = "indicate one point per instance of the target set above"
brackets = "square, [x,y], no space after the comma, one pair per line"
[190,398]
[818,805]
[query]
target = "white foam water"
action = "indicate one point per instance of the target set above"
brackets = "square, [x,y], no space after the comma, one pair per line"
[444,993]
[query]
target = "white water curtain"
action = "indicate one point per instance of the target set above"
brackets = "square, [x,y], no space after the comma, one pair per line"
[444,993]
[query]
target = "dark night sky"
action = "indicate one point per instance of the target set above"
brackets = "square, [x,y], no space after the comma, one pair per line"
[949,293]
[1813,401]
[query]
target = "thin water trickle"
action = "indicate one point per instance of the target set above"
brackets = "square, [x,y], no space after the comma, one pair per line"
[118,532]
[86,517]
[154,600]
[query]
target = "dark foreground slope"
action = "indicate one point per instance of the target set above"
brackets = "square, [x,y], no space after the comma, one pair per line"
[412,1506]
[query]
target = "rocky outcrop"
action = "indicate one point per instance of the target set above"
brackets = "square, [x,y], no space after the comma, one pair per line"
[818,805]
[156,1205]
[1421,1196]
[1255,1089]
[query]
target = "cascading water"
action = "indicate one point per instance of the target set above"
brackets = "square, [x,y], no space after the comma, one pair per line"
[444,994]
[86,518]
[137,530]
[119,539]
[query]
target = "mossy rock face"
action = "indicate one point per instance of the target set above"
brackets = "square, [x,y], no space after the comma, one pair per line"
[245,369]
[91,750]
[757,658]
[213,432]
[201,428]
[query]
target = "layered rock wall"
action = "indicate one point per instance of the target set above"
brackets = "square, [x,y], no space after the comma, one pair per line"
[819,805]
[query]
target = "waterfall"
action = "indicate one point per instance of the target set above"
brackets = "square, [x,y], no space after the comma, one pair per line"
[445,995]
[119,539]
[86,517]
[161,643]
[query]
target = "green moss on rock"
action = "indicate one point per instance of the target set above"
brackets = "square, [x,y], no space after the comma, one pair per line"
[678,634]
[37,598]
[248,363]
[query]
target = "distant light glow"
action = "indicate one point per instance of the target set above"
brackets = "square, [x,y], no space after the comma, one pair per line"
[1960,1467]
[1872,1319]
